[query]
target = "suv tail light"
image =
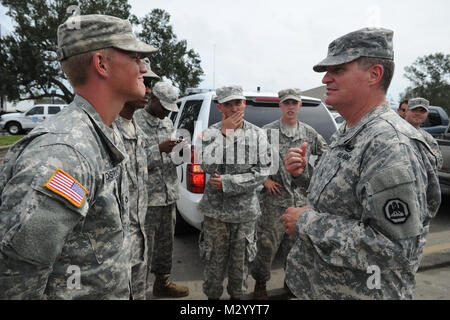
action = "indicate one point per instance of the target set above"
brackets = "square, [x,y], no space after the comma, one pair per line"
[195,177]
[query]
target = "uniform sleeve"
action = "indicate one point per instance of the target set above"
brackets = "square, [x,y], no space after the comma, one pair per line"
[392,193]
[35,221]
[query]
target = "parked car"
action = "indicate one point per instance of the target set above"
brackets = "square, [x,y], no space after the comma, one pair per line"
[18,122]
[444,172]
[436,122]
[338,118]
[199,111]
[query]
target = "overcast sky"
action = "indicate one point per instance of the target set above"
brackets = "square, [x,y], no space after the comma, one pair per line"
[274,44]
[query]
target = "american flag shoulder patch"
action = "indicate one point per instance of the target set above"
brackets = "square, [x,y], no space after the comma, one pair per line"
[67,187]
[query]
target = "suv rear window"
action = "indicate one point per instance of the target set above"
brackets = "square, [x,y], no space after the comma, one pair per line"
[189,115]
[261,112]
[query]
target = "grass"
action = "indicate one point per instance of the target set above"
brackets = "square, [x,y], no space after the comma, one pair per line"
[8,140]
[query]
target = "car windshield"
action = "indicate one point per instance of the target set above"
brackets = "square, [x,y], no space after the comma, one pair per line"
[261,111]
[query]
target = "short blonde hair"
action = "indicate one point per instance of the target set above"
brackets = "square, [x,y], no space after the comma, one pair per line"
[76,67]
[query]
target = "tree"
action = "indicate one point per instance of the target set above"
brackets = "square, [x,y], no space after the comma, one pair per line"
[430,78]
[28,59]
[172,59]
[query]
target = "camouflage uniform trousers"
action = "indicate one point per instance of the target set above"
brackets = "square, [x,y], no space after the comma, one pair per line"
[271,237]
[159,226]
[223,245]
[139,281]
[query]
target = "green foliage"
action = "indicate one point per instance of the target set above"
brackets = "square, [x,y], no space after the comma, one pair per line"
[172,60]
[8,140]
[29,68]
[430,79]
[28,59]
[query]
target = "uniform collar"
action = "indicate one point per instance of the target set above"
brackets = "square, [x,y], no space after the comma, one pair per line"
[344,134]
[103,131]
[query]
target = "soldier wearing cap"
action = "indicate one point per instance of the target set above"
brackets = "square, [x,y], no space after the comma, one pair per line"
[230,203]
[162,188]
[64,219]
[416,114]
[279,191]
[136,168]
[373,194]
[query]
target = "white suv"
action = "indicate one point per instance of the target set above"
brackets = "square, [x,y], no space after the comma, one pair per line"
[17,122]
[199,111]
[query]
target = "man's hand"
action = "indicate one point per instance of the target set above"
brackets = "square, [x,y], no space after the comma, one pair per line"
[295,160]
[216,182]
[233,122]
[272,187]
[290,218]
[168,145]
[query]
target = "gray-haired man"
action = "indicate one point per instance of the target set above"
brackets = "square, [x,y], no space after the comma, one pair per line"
[416,114]
[64,219]
[374,192]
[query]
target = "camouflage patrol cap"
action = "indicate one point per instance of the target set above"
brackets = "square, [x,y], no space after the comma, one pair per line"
[418,102]
[366,42]
[81,34]
[292,93]
[150,73]
[167,94]
[228,93]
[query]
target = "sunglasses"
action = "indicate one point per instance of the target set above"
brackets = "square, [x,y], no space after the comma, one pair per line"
[148,82]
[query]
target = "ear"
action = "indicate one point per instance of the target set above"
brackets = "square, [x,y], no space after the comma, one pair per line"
[376,73]
[219,107]
[100,64]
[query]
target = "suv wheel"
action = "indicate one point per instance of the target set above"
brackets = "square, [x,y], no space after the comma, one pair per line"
[14,128]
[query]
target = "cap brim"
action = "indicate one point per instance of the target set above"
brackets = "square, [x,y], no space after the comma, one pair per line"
[151,74]
[137,46]
[419,106]
[169,106]
[229,98]
[334,61]
[292,97]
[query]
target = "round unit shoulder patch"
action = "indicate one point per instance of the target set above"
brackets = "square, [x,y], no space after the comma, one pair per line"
[396,211]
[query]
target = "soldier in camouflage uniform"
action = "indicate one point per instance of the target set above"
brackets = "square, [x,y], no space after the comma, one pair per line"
[136,167]
[373,194]
[416,114]
[162,188]
[279,191]
[230,203]
[64,220]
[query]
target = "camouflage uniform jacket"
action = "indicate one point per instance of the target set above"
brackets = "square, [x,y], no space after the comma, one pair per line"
[43,234]
[137,178]
[241,175]
[290,194]
[163,182]
[434,147]
[373,194]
